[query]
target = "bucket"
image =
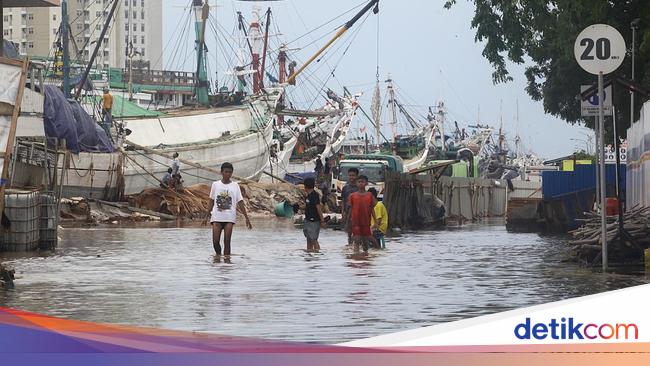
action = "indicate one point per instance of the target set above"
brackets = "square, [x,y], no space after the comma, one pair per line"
[284,209]
[611,207]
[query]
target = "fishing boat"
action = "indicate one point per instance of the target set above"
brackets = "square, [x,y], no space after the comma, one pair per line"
[413,147]
[229,126]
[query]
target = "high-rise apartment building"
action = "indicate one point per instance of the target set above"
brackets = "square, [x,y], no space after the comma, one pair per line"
[135,32]
[140,32]
[34,30]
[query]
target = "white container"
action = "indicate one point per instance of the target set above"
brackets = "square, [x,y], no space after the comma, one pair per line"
[22,208]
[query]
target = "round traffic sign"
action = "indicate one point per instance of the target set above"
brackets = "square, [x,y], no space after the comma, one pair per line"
[599,48]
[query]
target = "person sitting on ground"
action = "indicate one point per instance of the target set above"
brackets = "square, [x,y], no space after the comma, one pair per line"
[362,213]
[313,216]
[166,180]
[381,214]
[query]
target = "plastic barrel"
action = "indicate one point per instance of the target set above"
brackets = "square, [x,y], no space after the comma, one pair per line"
[284,209]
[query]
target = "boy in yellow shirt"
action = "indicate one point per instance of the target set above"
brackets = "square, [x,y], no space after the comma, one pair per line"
[382,220]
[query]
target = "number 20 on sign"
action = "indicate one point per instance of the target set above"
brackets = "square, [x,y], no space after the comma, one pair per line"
[600,48]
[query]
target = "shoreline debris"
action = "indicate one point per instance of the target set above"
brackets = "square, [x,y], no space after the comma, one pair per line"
[587,239]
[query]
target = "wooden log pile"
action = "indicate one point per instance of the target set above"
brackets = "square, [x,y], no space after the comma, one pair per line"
[587,240]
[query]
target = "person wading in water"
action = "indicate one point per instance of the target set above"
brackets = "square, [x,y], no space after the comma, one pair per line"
[226,200]
[362,213]
[347,190]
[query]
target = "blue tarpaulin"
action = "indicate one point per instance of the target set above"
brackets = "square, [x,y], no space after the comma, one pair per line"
[67,120]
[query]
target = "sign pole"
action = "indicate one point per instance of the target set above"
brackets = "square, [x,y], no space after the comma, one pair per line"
[597,154]
[603,194]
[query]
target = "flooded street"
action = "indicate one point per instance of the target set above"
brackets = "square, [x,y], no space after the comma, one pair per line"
[168,278]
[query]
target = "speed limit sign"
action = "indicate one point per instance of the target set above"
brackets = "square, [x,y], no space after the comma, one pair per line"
[599,48]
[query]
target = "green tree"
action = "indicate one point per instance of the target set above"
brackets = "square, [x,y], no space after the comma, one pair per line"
[540,34]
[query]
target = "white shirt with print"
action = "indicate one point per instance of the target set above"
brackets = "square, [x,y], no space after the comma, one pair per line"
[226,197]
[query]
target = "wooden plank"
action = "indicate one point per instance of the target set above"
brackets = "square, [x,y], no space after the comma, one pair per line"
[12,126]
[138,210]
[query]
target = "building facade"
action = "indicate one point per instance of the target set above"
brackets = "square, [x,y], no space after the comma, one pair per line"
[34,30]
[135,32]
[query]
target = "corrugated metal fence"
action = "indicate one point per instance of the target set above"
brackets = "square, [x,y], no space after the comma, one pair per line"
[472,198]
[638,160]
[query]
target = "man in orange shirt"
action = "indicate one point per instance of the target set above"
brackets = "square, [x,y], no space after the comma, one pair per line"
[107,108]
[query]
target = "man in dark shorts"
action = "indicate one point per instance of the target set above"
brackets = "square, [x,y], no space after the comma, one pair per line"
[226,200]
[362,213]
[347,190]
[313,216]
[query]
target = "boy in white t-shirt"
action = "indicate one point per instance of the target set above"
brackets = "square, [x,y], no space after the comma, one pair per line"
[226,198]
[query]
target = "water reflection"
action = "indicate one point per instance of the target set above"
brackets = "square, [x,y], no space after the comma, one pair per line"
[271,287]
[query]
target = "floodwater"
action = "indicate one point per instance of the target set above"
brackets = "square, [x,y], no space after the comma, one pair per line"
[168,278]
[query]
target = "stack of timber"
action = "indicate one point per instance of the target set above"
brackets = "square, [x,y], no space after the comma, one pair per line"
[624,249]
[193,202]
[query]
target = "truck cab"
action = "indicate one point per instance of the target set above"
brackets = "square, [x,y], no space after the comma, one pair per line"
[374,166]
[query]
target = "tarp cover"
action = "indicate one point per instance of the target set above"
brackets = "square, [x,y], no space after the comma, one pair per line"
[10,50]
[67,120]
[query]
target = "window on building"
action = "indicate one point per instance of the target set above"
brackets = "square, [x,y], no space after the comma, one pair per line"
[30,30]
[142,27]
[135,39]
[142,14]
[54,17]
[135,15]
[6,32]
[54,31]
[142,3]
[30,45]
[126,14]
[30,16]
[98,14]
[126,26]
[142,39]
[135,27]
[98,27]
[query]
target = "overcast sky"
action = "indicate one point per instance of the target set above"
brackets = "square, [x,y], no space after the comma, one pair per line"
[428,50]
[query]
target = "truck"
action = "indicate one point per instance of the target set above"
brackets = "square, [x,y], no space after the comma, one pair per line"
[374,166]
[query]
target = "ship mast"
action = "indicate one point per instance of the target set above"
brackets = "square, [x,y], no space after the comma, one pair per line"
[99,44]
[65,33]
[255,35]
[202,12]
[441,113]
[393,109]
[341,32]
